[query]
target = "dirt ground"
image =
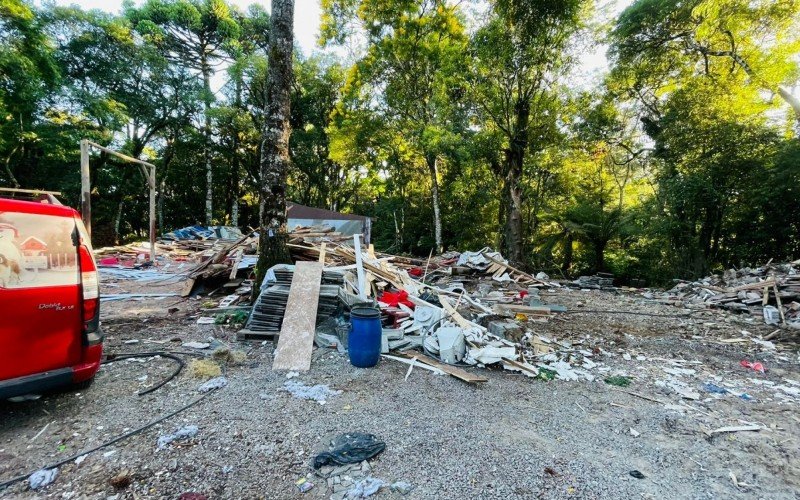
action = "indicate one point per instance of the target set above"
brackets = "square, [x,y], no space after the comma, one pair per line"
[511,437]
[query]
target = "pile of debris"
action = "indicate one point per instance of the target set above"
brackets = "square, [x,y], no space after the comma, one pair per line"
[771,291]
[316,234]
[203,233]
[429,318]
[600,281]
[226,265]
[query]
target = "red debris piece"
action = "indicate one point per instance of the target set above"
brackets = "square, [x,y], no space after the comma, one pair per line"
[753,366]
[393,299]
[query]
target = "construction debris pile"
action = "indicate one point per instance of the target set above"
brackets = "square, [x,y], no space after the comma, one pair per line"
[771,291]
[429,317]
[214,262]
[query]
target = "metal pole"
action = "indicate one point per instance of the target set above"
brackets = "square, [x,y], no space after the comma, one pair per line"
[152,183]
[86,188]
[362,293]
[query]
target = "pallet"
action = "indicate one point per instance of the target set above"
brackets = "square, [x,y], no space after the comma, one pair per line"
[246,335]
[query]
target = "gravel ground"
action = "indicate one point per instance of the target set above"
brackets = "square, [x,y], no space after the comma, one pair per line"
[512,437]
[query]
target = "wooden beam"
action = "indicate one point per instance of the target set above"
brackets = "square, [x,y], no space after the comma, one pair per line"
[86,188]
[362,293]
[30,191]
[448,369]
[118,155]
[296,338]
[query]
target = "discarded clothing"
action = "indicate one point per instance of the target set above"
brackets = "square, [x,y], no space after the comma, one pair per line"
[714,389]
[183,433]
[349,449]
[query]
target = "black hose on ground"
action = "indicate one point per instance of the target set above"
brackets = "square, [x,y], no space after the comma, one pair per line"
[119,357]
[117,439]
[633,313]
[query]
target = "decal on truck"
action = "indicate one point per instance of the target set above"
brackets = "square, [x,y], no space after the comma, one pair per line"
[36,251]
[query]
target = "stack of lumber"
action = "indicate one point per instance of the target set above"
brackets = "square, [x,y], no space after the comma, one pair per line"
[315,234]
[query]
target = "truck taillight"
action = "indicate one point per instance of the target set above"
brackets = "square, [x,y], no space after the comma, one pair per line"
[90,284]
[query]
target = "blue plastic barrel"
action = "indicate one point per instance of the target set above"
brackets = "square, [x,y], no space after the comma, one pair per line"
[364,342]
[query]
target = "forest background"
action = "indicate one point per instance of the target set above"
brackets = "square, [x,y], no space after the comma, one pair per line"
[456,125]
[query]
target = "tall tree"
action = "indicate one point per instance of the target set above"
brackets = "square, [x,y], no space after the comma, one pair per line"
[675,39]
[192,33]
[517,56]
[275,161]
[409,76]
[28,73]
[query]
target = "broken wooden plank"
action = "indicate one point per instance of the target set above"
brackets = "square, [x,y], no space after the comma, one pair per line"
[736,428]
[454,315]
[517,308]
[188,287]
[523,367]
[299,321]
[449,369]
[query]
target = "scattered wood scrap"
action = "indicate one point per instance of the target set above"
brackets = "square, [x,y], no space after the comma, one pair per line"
[449,369]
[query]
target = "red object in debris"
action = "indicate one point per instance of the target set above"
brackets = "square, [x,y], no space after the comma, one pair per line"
[49,299]
[415,271]
[393,299]
[753,366]
[523,294]
[109,261]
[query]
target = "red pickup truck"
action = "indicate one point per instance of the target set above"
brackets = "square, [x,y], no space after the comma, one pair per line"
[49,299]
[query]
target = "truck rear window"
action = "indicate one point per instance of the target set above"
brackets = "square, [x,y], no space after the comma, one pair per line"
[37,251]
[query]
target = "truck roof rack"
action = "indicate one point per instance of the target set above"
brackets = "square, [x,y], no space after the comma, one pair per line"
[38,195]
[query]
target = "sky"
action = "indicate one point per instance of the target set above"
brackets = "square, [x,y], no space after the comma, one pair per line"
[592,66]
[306,15]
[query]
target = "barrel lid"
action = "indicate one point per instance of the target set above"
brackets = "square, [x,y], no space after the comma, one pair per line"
[365,312]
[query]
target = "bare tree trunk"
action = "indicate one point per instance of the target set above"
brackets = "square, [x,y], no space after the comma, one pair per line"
[568,254]
[512,182]
[117,222]
[432,162]
[235,167]
[275,141]
[162,186]
[794,102]
[513,195]
[206,70]
[11,177]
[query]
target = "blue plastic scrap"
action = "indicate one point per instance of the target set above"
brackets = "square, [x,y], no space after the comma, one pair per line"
[714,389]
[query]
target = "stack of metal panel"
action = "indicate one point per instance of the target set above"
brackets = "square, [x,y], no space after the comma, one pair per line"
[266,316]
